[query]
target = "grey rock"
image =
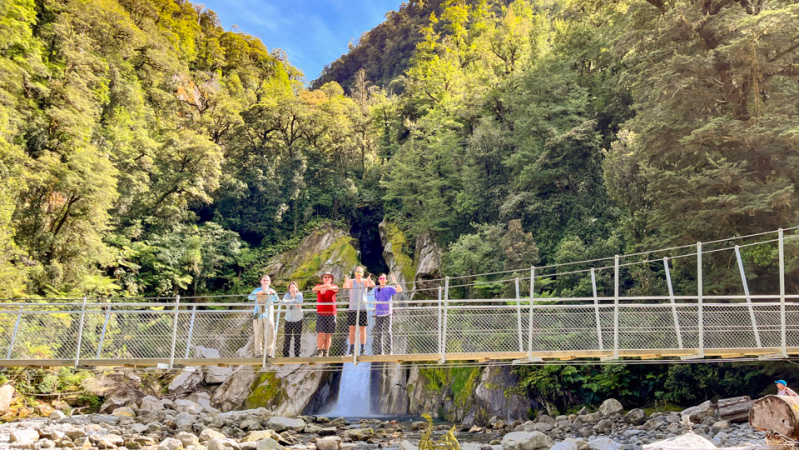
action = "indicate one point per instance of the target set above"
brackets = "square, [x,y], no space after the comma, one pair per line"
[359,434]
[124,411]
[333,442]
[268,444]
[285,423]
[46,443]
[234,391]
[720,425]
[522,440]
[565,445]
[683,442]
[187,439]
[250,424]
[609,407]
[24,436]
[110,441]
[604,426]
[604,443]
[57,415]
[188,406]
[208,435]
[186,381]
[170,444]
[327,431]
[218,444]
[591,418]
[544,418]
[695,414]
[539,426]
[184,421]
[312,428]
[635,416]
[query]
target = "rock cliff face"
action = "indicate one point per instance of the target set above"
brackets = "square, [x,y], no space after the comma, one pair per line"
[326,249]
[470,394]
[411,266]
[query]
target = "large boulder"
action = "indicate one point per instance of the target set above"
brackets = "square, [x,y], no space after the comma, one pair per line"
[117,400]
[268,444]
[635,416]
[687,441]
[187,381]
[292,388]
[609,407]
[6,395]
[696,413]
[285,423]
[213,374]
[187,406]
[24,436]
[235,390]
[523,440]
[603,443]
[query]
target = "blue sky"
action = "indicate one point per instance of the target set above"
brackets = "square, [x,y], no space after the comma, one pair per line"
[311,32]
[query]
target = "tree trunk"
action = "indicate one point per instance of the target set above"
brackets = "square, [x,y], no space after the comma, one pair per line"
[776,413]
[735,409]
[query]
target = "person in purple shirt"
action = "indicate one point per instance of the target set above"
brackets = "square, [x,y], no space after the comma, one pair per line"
[383,339]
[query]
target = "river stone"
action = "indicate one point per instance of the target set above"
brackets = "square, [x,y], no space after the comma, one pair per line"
[124,411]
[184,421]
[268,444]
[188,406]
[565,445]
[333,442]
[260,435]
[327,431]
[110,441]
[209,435]
[187,439]
[604,443]
[170,444]
[406,445]
[234,391]
[285,423]
[250,424]
[695,414]
[24,436]
[609,407]
[57,415]
[591,418]
[45,443]
[218,444]
[151,404]
[522,440]
[359,434]
[604,426]
[687,441]
[720,425]
[539,426]
[636,416]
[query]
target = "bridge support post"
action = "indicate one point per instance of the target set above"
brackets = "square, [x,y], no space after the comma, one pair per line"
[700,300]
[174,332]
[783,327]
[596,311]
[102,335]
[530,322]
[191,330]
[440,347]
[356,338]
[14,335]
[674,314]
[80,330]
[752,318]
[616,307]
[444,329]
[519,315]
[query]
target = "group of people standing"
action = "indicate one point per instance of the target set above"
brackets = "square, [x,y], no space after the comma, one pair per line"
[358,287]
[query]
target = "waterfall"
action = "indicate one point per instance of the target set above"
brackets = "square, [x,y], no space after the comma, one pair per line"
[355,390]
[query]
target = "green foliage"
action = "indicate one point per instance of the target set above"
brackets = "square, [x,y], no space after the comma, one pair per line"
[446,442]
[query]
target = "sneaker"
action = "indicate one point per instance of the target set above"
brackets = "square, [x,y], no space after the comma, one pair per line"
[326,353]
[363,350]
[319,352]
[351,351]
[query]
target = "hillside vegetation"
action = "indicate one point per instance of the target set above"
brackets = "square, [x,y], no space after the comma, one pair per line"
[146,150]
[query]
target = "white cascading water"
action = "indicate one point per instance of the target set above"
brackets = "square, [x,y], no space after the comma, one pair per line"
[354,391]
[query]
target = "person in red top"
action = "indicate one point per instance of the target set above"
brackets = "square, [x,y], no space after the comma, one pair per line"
[325,313]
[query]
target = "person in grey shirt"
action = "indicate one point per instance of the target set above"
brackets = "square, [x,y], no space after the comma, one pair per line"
[292,302]
[357,290]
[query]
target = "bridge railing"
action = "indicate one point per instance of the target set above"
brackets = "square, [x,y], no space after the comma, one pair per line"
[171,332]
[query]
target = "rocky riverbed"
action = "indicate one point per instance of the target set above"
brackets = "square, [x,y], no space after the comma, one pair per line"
[164,424]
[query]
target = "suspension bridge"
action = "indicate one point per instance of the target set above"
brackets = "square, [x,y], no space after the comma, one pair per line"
[526,327]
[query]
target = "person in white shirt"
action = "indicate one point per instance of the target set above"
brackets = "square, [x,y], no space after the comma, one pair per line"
[783,389]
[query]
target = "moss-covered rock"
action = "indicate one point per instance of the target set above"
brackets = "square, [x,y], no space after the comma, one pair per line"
[326,249]
[397,252]
[288,390]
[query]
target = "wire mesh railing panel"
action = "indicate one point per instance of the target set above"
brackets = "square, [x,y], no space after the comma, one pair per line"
[566,329]
[138,334]
[768,324]
[46,335]
[416,330]
[734,325]
[792,324]
[7,322]
[493,329]
[647,328]
[226,332]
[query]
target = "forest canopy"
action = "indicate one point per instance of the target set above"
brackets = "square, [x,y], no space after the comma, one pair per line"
[145,150]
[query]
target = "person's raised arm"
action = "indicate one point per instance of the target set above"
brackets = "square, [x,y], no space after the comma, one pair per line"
[347,283]
[369,282]
[397,287]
